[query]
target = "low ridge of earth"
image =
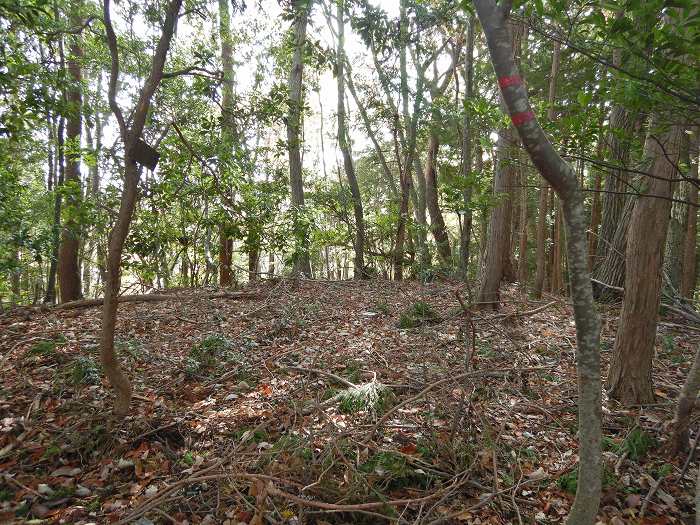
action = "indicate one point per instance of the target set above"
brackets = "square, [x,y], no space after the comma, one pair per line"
[300,401]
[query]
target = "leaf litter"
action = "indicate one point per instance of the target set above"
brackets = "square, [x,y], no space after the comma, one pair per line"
[323,402]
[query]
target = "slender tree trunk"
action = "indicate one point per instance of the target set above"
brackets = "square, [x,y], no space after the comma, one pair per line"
[563,179]
[405,173]
[684,408]
[302,264]
[68,267]
[690,247]
[610,260]
[629,378]
[129,136]
[359,243]
[541,256]
[437,223]
[467,153]
[556,280]
[228,133]
[523,268]
[677,226]
[498,236]
[50,296]
[595,219]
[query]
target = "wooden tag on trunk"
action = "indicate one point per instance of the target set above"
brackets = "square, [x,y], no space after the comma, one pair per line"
[146,155]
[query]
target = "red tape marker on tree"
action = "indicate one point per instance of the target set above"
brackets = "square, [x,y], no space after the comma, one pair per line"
[521,118]
[512,80]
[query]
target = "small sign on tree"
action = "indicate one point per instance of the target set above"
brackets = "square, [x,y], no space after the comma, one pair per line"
[146,155]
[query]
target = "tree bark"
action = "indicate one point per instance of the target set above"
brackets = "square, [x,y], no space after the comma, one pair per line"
[70,287]
[50,296]
[684,408]
[129,136]
[228,133]
[541,256]
[359,241]
[677,226]
[609,267]
[629,378]
[690,247]
[563,180]
[437,222]
[498,236]
[467,152]
[302,263]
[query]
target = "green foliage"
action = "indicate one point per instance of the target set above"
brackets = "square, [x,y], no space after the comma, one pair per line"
[637,443]
[208,352]
[85,371]
[395,471]
[419,314]
[371,397]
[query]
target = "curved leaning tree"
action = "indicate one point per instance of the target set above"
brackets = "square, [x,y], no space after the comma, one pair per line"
[129,134]
[562,178]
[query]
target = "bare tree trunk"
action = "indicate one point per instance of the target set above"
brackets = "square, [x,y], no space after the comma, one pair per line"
[467,153]
[437,223]
[228,133]
[684,408]
[610,261]
[359,244]
[405,173]
[68,267]
[556,279]
[50,296]
[541,256]
[302,263]
[497,244]
[595,220]
[677,226]
[129,136]
[523,268]
[629,378]
[563,180]
[688,277]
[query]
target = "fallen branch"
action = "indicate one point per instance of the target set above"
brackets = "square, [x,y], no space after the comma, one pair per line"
[499,372]
[86,303]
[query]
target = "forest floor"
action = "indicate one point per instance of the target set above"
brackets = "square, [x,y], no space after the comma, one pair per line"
[324,402]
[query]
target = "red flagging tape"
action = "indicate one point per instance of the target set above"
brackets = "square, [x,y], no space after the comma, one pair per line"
[512,80]
[522,117]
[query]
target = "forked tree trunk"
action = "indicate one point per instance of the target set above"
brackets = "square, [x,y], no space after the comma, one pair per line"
[359,238]
[70,287]
[629,378]
[688,276]
[302,263]
[437,222]
[129,136]
[563,180]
